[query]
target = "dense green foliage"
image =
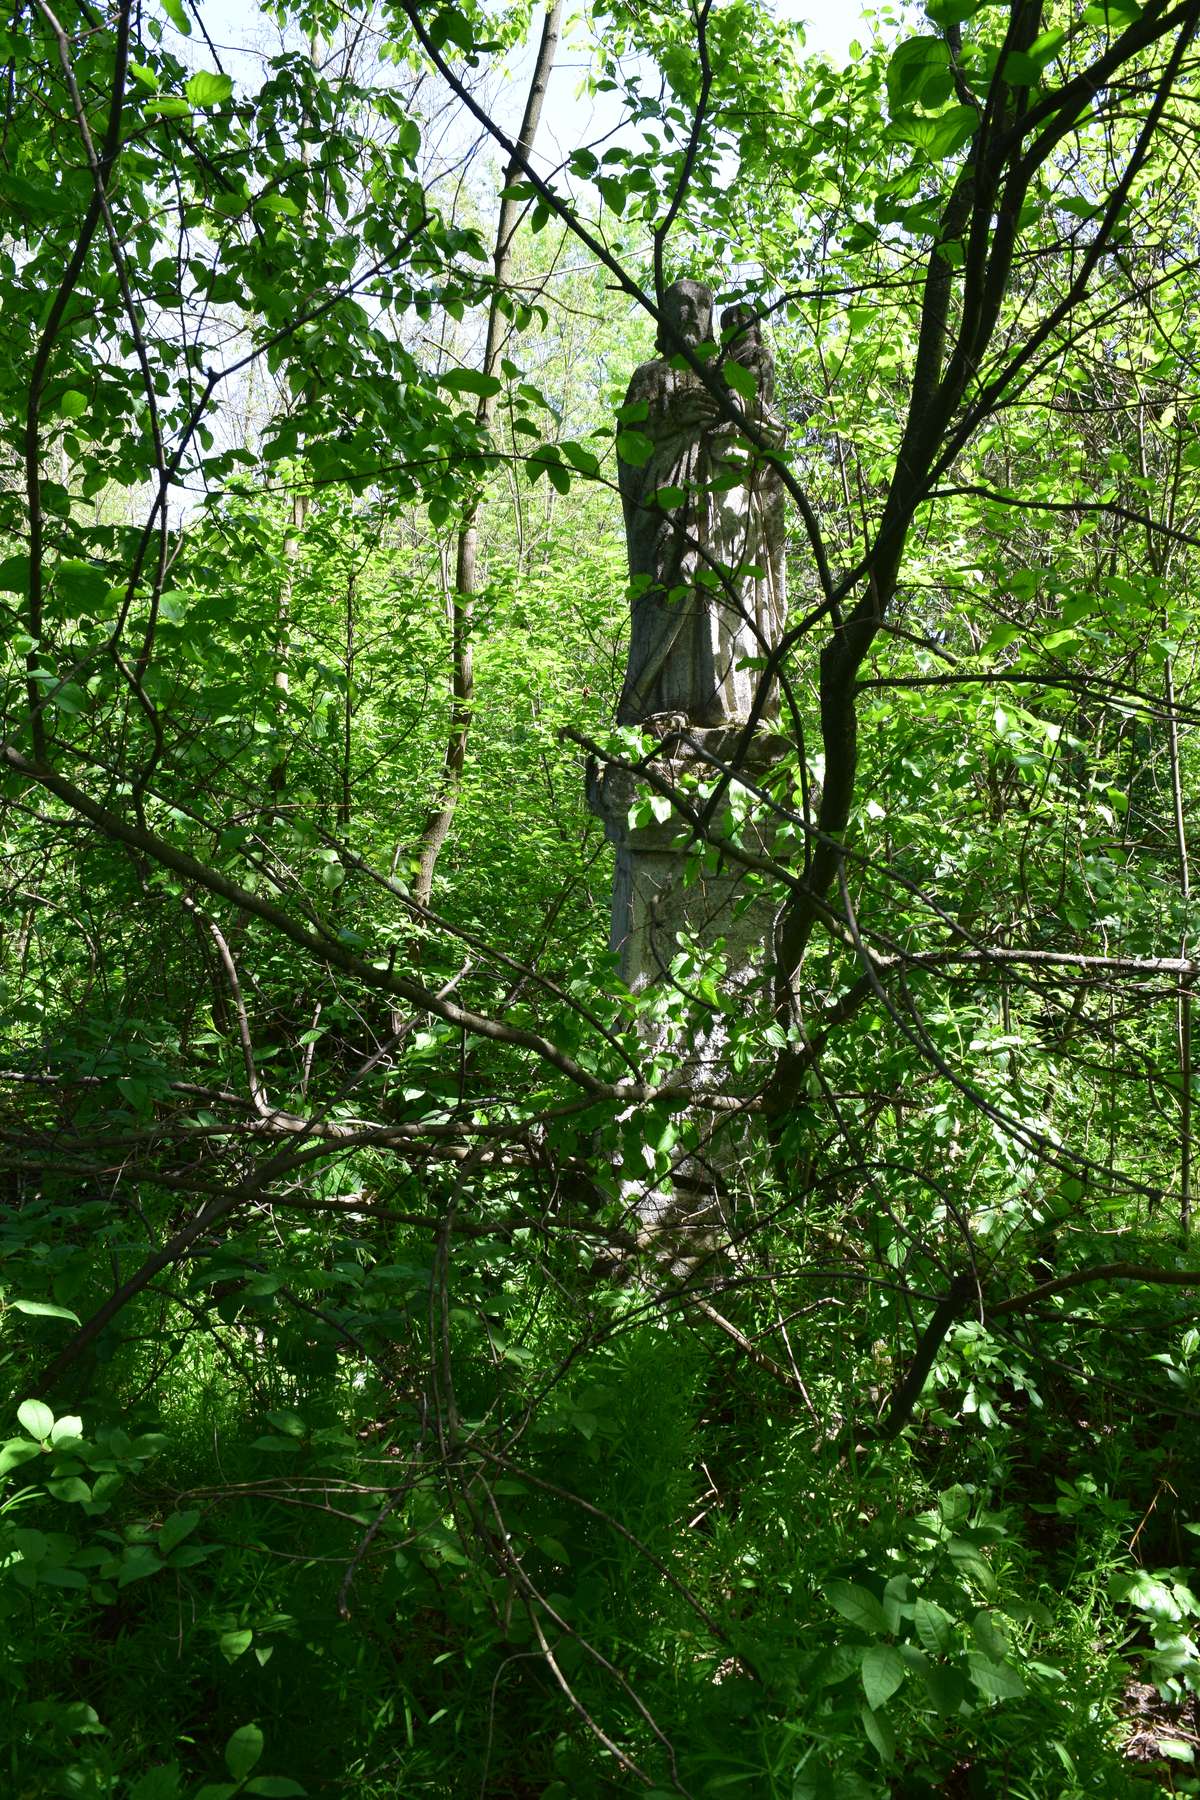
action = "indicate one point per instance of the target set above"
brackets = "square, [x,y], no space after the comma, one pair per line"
[355,1442]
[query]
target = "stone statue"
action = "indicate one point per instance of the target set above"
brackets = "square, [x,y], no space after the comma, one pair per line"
[706,561]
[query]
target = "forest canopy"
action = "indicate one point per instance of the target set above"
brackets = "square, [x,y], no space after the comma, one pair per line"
[426,1371]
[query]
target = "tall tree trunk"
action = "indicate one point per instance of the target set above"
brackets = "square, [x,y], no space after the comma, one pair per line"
[462,598]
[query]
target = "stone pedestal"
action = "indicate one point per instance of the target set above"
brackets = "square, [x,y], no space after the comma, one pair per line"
[668,897]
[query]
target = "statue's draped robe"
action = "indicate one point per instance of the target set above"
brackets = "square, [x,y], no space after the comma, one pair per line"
[698,610]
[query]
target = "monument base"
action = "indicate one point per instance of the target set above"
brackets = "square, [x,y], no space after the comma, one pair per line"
[693,928]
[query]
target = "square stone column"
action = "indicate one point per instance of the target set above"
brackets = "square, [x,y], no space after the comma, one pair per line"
[654,908]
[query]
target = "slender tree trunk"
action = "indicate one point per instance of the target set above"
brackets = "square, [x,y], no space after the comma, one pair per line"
[462,598]
[1183,1017]
[281,680]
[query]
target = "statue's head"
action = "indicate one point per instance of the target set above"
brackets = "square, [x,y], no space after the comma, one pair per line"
[687,312]
[741,330]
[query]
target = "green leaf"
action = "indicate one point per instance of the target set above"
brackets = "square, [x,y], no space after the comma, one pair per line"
[998,1681]
[36,1417]
[586,461]
[450,27]
[42,1309]
[70,699]
[208,89]
[634,448]
[954,12]
[168,106]
[934,1627]
[139,1562]
[879,1734]
[243,1751]
[972,1564]
[989,1638]
[858,1604]
[918,74]
[1020,70]
[276,1787]
[68,1429]
[471,381]
[946,1687]
[175,1528]
[883,1671]
[740,378]
[15,1452]
[613,193]
[82,584]
[73,404]
[233,1644]
[941,136]
[174,11]
[290,1423]
[71,1489]
[14,572]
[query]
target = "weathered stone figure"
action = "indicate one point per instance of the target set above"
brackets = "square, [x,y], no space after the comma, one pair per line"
[707,568]
[706,573]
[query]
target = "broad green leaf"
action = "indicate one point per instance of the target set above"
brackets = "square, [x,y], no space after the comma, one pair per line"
[243,1750]
[70,699]
[43,1309]
[139,1562]
[947,1688]
[450,27]
[72,404]
[14,574]
[634,448]
[274,1787]
[954,12]
[208,89]
[178,17]
[880,1734]
[973,1564]
[883,1671]
[918,74]
[858,1604]
[15,1452]
[471,381]
[934,1627]
[989,1637]
[290,1423]
[1020,70]
[740,378]
[175,1528]
[998,1681]
[586,461]
[36,1417]
[233,1644]
[71,1489]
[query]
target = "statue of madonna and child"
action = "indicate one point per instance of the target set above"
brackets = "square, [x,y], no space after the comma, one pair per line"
[707,567]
